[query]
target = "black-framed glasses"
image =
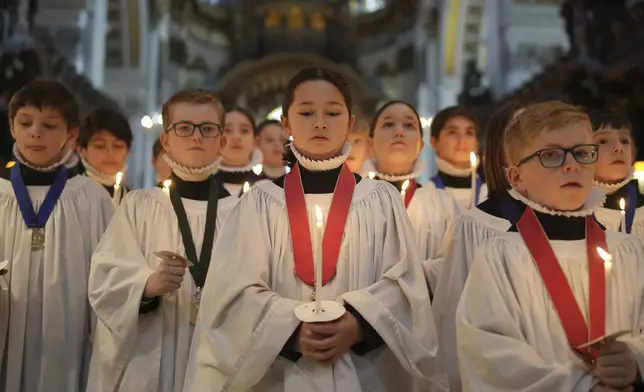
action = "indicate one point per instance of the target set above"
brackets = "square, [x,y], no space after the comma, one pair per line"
[556,156]
[187,129]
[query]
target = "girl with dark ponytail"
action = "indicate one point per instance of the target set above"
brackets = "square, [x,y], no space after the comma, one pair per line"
[286,324]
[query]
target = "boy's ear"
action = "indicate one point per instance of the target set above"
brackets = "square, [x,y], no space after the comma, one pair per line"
[433,141]
[72,134]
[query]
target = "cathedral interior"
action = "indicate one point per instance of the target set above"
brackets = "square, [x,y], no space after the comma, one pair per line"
[131,55]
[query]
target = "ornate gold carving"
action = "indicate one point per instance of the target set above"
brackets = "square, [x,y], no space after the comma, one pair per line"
[272,19]
[295,18]
[318,21]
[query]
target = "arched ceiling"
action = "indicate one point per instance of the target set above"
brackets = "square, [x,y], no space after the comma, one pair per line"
[259,84]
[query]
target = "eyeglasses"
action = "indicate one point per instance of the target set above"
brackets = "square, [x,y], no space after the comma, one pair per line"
[186,129]
[555,156]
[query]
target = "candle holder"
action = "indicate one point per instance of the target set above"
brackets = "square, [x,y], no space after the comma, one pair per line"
[329,311]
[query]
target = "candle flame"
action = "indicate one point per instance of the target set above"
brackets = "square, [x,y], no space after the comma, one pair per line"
[405,185]
[622,204]
[167,183]
[257,169]
[318,215]
[119,178]
[608,259]
[372,175]
[246,187]
[473,158]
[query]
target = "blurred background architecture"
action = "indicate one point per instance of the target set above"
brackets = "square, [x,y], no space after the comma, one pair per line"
[132,54]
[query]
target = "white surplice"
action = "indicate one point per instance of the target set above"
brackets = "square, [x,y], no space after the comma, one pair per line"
[431,212]
[510,337]
[247,310]
[144,352]
[472,229]
[462,195]
[48,339]
[463,237]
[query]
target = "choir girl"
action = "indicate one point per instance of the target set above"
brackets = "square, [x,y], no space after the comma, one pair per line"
[382,336]
[397,142]
[241,159]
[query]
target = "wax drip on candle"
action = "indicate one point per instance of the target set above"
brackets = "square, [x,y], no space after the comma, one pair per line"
[246,187]
[318,264]
[257,169]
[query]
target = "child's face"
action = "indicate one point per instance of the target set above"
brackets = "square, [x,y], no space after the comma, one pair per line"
[615,154]
[359,151]
[562,188]
[105,152]
[318,120]
[456,141]
[271,142]
[41,135]
[396,137]
[194,150]
[240,140]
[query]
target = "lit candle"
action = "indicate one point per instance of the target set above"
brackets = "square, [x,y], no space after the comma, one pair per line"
[622,206]
[116,197]
[608,269]
[403,189]
[318,264]
[166,187]
[246,187]
[372,175]
[257,169]
[473,161]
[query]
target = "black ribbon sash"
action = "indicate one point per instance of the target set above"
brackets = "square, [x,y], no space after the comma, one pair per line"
[199,268]
[32,219]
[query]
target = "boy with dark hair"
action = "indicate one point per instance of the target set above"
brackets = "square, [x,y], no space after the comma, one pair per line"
[614,173]
[53,220]
[454,137]
[104,144]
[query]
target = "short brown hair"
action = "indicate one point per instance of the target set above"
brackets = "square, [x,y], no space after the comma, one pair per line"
[440,120]
[535,119]
[48,94]
[192,96]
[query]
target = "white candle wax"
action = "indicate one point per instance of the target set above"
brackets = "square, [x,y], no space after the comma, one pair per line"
[246,187]
[608,271]
[622,207]
[318,263]
[473,161]
[116,197]
[403,189]
[166,187]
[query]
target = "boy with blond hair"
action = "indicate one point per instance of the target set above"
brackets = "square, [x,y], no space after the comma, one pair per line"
[539,295]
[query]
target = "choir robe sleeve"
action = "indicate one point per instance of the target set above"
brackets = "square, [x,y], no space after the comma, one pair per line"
[247,325]
[117,281]
[463,238]
[493,352]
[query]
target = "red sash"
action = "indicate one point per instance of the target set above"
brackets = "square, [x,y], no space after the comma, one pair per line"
[561,295]
[409,192]
[333,232]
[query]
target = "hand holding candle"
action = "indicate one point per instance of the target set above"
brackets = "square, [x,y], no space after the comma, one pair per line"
[622,206]
[318,263]
[473,163]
